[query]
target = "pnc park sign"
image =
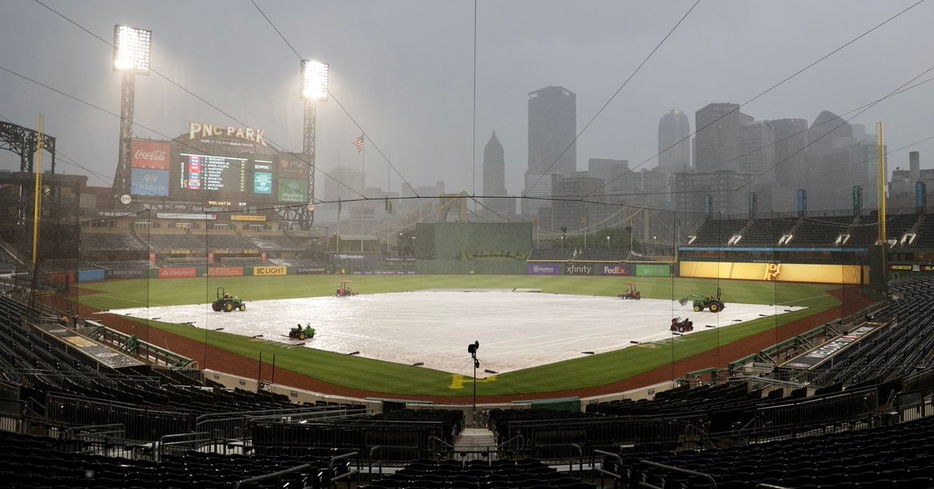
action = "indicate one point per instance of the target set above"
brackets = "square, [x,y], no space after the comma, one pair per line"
[205,130]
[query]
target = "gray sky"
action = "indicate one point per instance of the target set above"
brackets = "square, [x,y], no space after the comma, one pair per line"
[403,69]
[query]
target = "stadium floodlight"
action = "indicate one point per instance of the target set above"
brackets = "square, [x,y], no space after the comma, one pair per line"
[131,49]
[314,80]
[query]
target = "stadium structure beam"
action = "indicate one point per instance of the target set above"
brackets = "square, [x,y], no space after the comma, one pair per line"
[121,183]
[308,149]
[130,57]
[23,142]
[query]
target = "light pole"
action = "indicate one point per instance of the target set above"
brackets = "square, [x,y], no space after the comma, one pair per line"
[314,87]
[131,57]
[607,242]
[472,349]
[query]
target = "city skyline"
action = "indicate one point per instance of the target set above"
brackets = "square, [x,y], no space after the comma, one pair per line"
[409,93]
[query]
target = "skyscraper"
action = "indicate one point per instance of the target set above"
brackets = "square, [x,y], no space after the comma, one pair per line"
[673,131]
[791,137]
[494,180]
[756,151]
[552,128]
[717,142]
[836,163]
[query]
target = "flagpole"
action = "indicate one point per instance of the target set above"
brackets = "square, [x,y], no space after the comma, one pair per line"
[363,209]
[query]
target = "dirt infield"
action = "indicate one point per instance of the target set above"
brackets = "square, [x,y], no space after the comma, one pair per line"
[216,359]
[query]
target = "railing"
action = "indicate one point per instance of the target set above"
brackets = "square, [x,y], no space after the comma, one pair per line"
[674,470]
[274,475]
[333,473]
[140,349]
[616,477]
[545,436]
[376,449]
[183,442]
[140,423]
[95,433]
[235,425]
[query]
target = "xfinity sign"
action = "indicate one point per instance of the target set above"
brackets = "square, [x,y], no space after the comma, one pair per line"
[575,269]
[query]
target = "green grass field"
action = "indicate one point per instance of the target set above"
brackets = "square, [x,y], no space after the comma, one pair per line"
[390,378]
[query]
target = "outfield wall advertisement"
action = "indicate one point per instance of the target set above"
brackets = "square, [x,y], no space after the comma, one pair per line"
[778,272]
[544,269]
[90,275]
[617,269]
[269,271]
[188,272]
[225,271]
[649,270]
[579,268]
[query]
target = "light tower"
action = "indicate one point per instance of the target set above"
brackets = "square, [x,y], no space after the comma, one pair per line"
[314,88]
[131,56]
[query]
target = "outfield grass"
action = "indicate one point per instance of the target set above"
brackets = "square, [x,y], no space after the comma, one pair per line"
[385,377]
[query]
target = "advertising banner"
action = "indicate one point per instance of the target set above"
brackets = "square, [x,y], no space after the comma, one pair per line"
[652,270]
[90,275]
[612,269]
[189,272]
[544,269]
[62,277]
[293,190]
[308,270]
[248,217]
[267,271]
[149,182]
[191,217]
[150,154]
[128,273]
[292,168]
[579,269]
[225,271]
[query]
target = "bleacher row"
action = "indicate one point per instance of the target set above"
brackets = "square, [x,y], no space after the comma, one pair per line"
[38,462]
[676,428]
[893,457]
[404,434]
[903,347]
[69,387]
[813,232]
[500,474]
[142,241]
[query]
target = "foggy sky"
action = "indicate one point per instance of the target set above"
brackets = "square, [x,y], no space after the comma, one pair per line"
[403,69]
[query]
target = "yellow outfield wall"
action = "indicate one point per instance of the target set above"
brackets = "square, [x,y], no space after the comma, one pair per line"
[779,272]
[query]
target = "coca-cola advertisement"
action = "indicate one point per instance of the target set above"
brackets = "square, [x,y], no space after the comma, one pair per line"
[149,154]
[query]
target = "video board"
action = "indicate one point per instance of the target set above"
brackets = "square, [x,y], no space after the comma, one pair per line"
[265,179]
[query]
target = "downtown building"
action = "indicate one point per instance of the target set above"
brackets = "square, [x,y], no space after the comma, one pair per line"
[903,187]
[494,183]
[837,162]
[552,129]
[674,142]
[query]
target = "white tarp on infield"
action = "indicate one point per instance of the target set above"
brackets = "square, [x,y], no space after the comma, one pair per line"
[516,329]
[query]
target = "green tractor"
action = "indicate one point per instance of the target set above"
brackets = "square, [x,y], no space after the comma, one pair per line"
[226,302]
[701,302]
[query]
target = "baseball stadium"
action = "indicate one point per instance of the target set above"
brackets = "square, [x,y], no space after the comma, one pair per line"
[212,320]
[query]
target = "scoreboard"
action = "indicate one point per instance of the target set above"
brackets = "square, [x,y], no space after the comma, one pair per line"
[261,179]
[213,162]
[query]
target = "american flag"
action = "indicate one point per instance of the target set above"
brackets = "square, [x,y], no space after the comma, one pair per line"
[358,143]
